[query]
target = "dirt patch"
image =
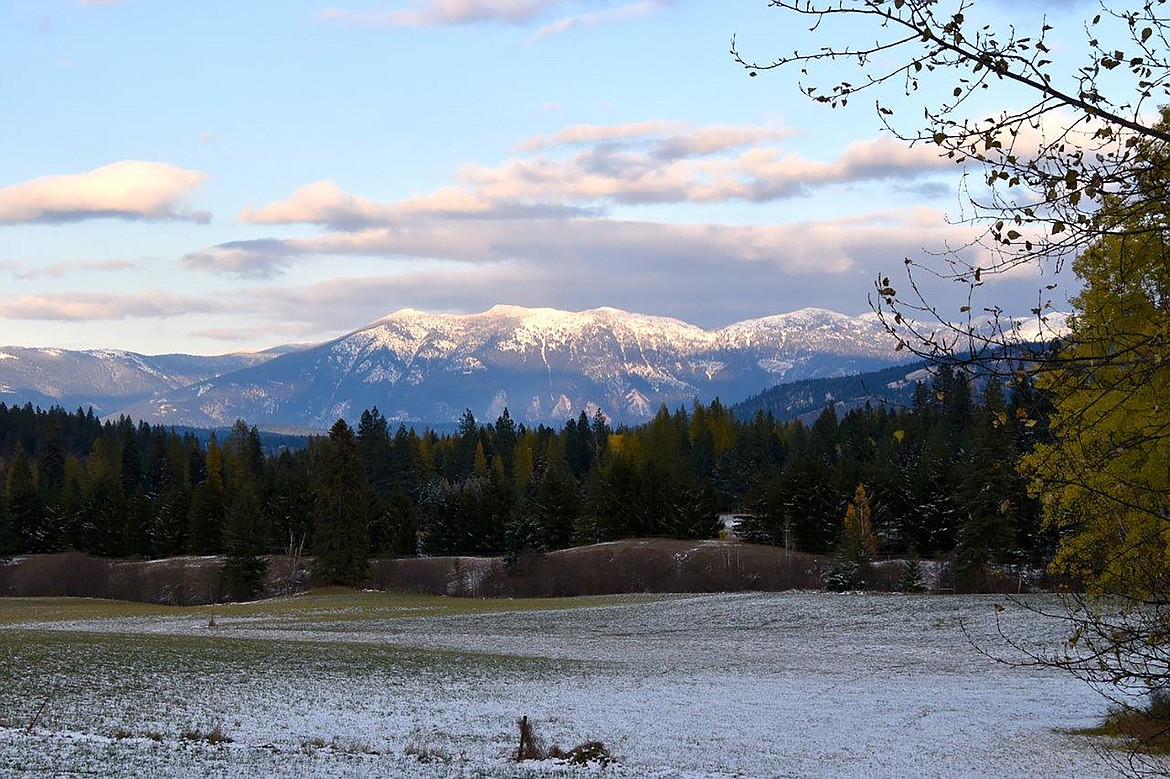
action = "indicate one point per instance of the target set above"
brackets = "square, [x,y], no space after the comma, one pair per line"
[640,565]
[178,581]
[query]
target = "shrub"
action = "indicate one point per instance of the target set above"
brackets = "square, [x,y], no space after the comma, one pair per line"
[531,748]
[215,736]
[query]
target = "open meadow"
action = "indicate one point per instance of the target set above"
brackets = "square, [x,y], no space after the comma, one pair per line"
[735,685]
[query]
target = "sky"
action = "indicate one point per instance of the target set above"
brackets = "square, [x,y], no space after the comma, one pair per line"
[210,177]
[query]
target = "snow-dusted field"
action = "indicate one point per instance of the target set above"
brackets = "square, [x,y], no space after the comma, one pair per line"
[744,685]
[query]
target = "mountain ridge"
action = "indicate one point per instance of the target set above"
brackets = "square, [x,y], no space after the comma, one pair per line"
[107,380]
[543,364]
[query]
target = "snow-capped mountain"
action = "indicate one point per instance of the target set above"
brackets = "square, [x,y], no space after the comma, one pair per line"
[108,380]
[544,365]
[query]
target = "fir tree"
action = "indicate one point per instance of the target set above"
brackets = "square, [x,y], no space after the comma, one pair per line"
[913,578]
[402,524]
[343,512]
[25,513]
[244,536]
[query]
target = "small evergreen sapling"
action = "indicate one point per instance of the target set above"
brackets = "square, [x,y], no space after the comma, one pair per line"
[913,578]
[852,567]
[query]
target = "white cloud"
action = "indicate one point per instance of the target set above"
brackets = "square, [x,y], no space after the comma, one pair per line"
[420,13]
[708,274]
[638,163]
[818,247]
[592,133]
[537,229]
[258,259]
[130,189]
[324,202]
[63,269]
[443,12]
[715,138]
[83,306]
[632,11]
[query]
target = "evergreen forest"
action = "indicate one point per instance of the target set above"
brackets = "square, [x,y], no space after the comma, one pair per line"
[936,477]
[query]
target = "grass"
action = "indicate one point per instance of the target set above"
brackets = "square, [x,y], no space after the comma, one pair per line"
[346,683]
[97,663]
[110,660]
[1136,729]
[14,611]
[109,684]
[323,605]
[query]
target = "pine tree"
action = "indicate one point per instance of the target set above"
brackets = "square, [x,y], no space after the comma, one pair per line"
[137,526]
[168,535]
[243,456]
[994,496]
[343,512]
[505,437]
[206,518]
[292,506]
[402,522]
[244,536]
[24,509]
[105,504]
[555,507]
[766,520]
[913,578]
[377,451]
[523,466]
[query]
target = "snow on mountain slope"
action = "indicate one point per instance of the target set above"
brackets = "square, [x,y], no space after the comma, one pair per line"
[106,379]
[543,364]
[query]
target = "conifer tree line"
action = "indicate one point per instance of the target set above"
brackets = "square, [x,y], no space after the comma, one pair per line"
[938,477]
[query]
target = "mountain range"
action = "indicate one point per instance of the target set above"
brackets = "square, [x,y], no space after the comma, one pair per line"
[544,365]
[106,380]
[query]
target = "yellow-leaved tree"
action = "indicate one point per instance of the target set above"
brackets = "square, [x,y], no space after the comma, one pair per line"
[1070,163]
[1104,476]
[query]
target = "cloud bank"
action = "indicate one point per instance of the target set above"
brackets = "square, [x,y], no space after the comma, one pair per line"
[130,189]
[82,306]
[643,163]
[541,227]
[60,270]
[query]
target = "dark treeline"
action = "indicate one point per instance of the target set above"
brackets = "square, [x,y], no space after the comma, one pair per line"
[938,477]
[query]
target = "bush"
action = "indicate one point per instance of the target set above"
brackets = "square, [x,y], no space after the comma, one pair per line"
[532,748]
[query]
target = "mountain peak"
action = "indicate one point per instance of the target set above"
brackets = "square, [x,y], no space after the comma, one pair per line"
[543,364]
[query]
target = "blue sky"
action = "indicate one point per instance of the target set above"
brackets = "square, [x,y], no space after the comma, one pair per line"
[220,176]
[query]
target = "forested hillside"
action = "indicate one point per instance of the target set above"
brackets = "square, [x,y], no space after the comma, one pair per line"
[791,400]
[936,477]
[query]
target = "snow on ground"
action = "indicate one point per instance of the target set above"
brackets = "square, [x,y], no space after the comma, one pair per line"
[743,685]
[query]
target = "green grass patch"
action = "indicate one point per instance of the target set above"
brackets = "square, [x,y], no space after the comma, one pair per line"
[18,610]
[333,604]
[170,684]
[330,605]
